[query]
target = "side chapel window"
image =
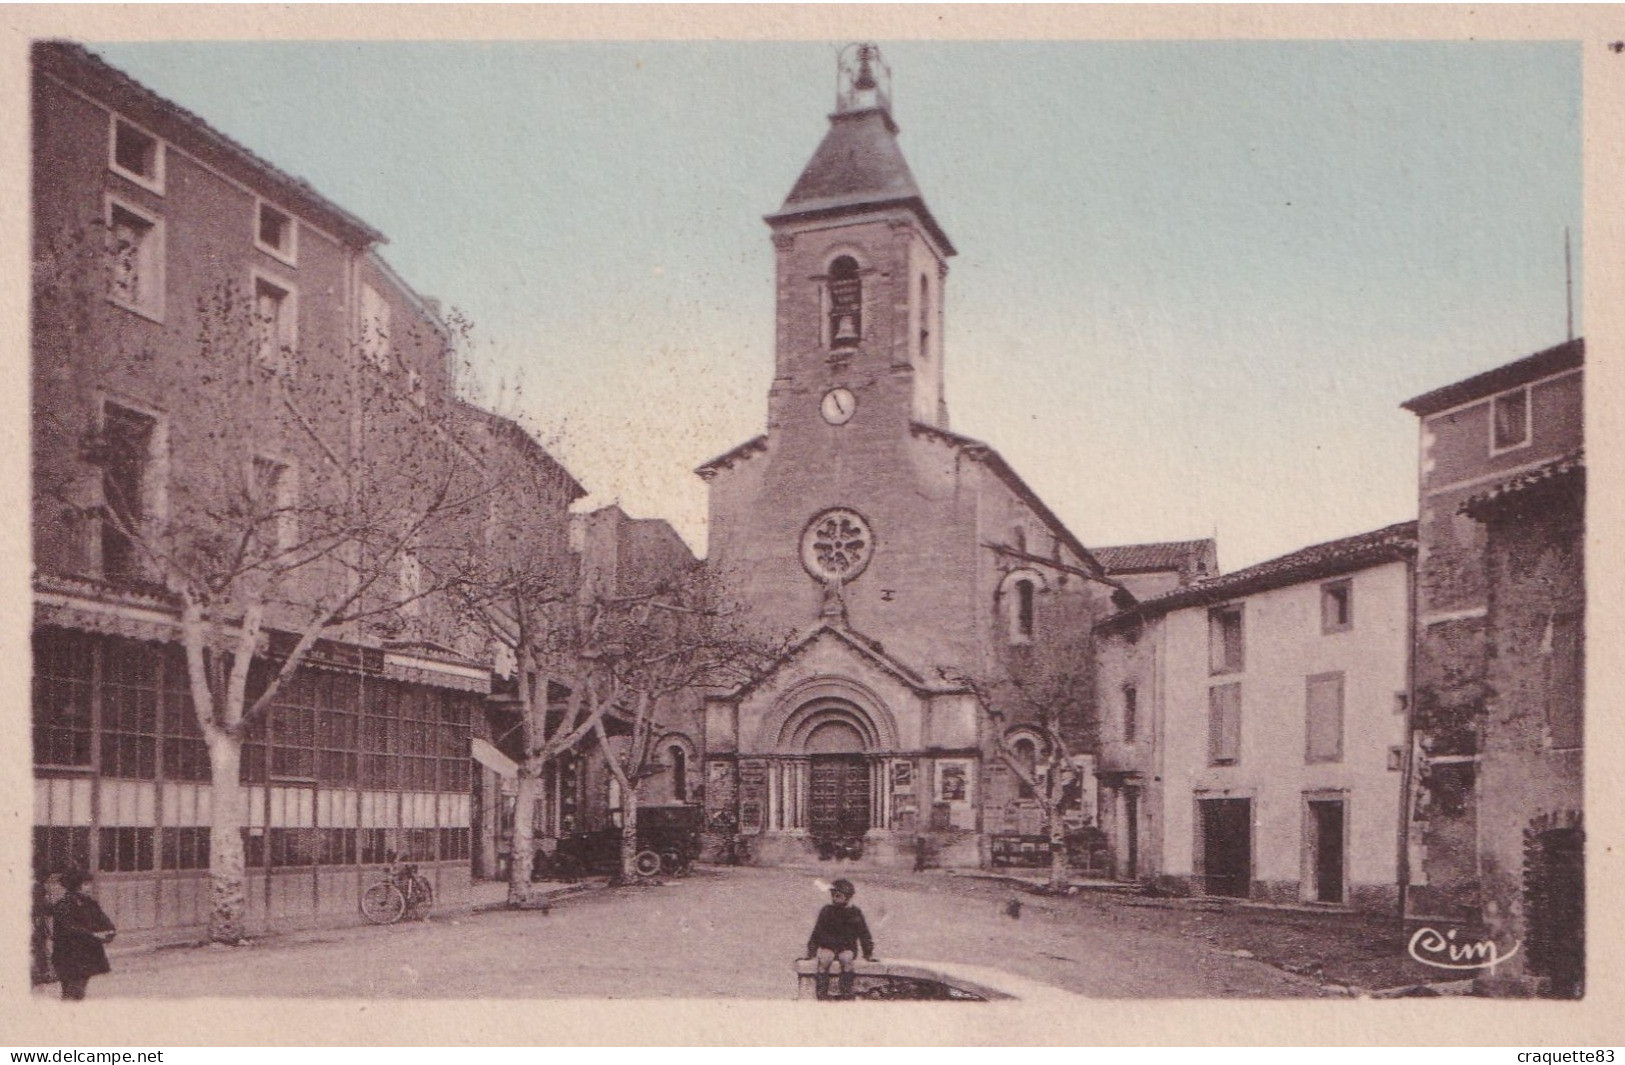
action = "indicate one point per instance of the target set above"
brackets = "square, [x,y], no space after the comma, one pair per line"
[1024,609]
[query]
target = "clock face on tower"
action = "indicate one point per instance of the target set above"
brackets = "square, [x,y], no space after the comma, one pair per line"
[836,545]
[838,406]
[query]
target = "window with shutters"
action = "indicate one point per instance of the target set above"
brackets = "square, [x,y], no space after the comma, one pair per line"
[1225,650]
[275,325]
[135,259]
[375,327]
[1324,718]
[1224,724]
[1509,421]
[273,491]
[128,454]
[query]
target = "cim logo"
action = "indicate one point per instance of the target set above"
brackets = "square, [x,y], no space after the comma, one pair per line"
[1441,950]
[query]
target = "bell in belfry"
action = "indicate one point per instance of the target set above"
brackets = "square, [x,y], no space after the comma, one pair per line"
[846,328]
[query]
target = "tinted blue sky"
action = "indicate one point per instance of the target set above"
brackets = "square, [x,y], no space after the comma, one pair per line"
[1195,280]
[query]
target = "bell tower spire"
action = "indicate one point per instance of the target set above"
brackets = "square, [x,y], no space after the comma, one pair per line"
[862,80]
[861,267]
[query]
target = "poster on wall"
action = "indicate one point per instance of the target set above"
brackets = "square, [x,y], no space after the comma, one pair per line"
[902,776]
[951,781]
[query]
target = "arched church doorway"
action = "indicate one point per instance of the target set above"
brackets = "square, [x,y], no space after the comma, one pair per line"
[838,782]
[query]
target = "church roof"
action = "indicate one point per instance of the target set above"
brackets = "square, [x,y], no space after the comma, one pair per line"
[858,166]
[1176,555]
[985,454]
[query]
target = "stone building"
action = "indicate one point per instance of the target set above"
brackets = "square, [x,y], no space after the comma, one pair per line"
[1497,832]
[1475,434]
[219,357]
[1252,727]
[910,567]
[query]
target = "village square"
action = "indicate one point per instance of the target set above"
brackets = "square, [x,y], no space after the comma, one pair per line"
[346,684]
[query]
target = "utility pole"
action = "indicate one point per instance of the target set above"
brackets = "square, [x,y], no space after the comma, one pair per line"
[1568,272]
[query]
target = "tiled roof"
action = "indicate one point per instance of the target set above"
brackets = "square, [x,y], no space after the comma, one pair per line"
[1565,356]
[71,60]
[1387,544]
[1551,474]
[1148,558]
[858,165]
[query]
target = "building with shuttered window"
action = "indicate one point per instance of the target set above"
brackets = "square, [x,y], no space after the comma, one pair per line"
[153,233]
[1252,728]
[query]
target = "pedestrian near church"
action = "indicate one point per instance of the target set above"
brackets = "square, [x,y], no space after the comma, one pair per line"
[80,931]
[838,934]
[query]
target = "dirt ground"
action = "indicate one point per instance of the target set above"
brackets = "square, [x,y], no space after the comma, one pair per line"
[733,933]
[1362,951]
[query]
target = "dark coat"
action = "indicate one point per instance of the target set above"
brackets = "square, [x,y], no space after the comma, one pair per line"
[841,928]
[75,951]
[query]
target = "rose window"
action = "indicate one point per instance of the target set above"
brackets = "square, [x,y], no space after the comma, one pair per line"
[836,545]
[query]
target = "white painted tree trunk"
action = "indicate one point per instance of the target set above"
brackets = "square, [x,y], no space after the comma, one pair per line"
[523,851]
[228,909]
[629,833]
[1057,848]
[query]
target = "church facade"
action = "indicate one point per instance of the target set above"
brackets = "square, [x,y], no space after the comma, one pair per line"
[921,585]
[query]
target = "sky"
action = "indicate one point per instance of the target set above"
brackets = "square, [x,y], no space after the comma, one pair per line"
[1195,280]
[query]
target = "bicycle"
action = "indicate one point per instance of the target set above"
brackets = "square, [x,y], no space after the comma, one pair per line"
[404,890]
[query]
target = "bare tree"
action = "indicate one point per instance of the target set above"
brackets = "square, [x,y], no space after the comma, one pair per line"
[1041,716]
[290,503]
[650,652]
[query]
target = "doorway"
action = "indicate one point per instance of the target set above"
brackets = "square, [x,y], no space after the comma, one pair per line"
[1227,846]
[1554,908]
[838,799]
[1326,846]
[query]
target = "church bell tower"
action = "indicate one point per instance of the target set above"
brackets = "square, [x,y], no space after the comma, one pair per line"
[861,264]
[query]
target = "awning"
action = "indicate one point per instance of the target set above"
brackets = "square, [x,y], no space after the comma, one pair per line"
[494,760]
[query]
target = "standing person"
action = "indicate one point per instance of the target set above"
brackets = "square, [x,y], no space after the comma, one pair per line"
[80,931]
[837,935]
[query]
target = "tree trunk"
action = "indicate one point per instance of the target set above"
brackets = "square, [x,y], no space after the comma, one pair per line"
[228,911]
[629,834]
[1057,849]
[522,853]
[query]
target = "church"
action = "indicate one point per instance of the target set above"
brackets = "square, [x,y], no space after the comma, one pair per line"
[915,576]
